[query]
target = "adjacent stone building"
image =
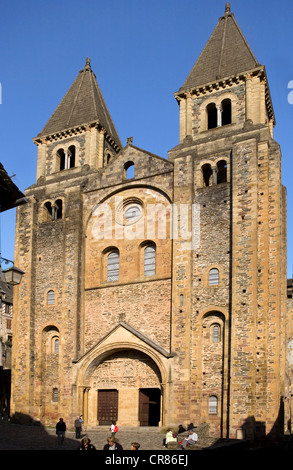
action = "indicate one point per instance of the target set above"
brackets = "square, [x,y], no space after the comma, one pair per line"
[155,289]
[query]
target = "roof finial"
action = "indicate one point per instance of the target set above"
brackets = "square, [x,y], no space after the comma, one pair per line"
[88,61]
[227,7]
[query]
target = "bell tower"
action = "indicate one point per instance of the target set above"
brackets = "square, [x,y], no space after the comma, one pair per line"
[229,333]
[77,143]
[227,85]
[80,132]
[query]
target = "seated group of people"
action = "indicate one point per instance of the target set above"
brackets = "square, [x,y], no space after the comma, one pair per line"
[172,437]
[111,444]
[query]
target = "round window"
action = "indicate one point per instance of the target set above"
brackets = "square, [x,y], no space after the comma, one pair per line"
[129,211]
[132,213]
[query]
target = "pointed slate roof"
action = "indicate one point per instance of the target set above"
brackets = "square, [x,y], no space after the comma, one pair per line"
[82,104]
[226,53]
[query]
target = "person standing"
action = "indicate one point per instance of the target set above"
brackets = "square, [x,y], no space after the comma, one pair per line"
[77,425]
[113,428]
[60,431]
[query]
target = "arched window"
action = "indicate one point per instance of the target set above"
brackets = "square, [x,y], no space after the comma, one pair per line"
[66,158]
[61,159]
[108,158]
[51,297]
[52,211]
[57,210]
[221,172]
[214,277]
[47,211]
[216,333]
[213,405]
[207,174]
[71,157]
[128,170]
[56,345]
[226,112]
[212,116]
[113,266]
[150,260]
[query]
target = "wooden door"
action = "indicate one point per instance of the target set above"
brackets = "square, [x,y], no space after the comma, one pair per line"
[143,408]
[107,406]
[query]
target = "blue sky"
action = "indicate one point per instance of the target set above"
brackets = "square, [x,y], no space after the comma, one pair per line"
[141,52]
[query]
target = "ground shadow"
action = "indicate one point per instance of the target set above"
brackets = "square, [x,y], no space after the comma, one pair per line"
[23,433]
[254,436]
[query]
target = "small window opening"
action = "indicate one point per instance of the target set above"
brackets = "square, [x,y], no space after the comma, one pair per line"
[55,395]
[47,211]
[221,172]
[216,333]
[71,157]
[214,277]
[129,170]
[113,266]
[226,112]
[207,173]
[213,405]
[150,260]
[181,300]
[51,297]
[56,345]
[132,213]
[61,155]
[66,159]
[212,115]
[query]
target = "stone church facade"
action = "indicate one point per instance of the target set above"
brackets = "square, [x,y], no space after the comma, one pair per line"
[155,289]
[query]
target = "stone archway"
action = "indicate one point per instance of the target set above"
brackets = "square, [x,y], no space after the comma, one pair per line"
[117,385]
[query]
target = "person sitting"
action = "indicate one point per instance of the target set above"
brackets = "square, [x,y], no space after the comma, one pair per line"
[86,444]
[190,440]
[181,429]
[170,438]
[134,446]
[112,444]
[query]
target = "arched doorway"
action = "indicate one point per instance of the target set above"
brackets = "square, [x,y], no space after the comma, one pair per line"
[125,386]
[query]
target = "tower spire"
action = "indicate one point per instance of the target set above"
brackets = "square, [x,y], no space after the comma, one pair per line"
[228,7]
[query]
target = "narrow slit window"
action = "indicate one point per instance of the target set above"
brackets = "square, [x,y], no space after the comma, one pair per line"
[216,333]
[150,260]
[56,345]
[113,266]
